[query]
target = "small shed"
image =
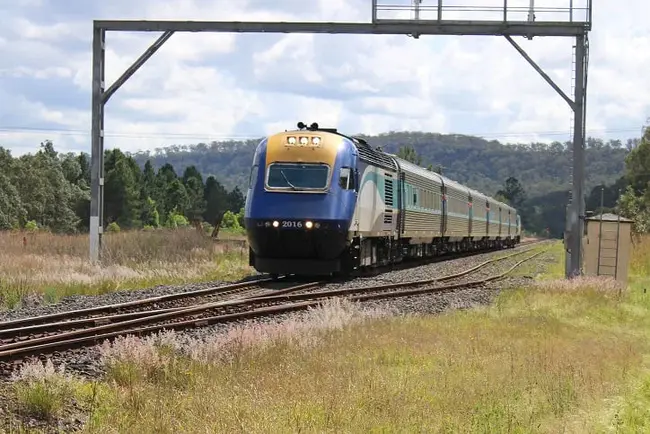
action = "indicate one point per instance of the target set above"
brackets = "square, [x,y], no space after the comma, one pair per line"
[607,246]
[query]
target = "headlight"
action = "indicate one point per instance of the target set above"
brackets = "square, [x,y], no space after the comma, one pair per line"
[276,224]
[308,224]
[304,140]
[315,141]
[291,140]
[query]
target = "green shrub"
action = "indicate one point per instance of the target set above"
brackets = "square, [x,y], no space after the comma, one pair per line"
[113,227]
[31,226]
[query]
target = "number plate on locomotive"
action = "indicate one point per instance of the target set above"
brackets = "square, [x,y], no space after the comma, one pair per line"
[291,224]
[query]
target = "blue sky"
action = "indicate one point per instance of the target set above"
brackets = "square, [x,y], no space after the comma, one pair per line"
[203,87]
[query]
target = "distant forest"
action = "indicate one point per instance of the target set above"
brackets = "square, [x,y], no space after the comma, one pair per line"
[181,184]
[51,191]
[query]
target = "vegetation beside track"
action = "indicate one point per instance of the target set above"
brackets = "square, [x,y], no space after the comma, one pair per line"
[46,267]
[554,357]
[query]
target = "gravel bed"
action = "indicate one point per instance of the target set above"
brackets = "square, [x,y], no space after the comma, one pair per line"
[435,270]
[33,307]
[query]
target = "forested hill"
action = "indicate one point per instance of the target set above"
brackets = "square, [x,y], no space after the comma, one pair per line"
[481,164]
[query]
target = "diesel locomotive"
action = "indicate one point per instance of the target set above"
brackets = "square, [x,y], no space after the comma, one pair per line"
[320,203]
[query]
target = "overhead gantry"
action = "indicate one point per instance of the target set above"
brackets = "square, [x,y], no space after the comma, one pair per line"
[507,18]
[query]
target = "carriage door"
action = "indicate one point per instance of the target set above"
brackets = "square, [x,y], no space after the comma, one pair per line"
[388,201]
[500,221]
[443,208]
[487,218]
[470,212]
[509,221]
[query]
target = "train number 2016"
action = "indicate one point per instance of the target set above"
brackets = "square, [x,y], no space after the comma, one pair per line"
[290,224]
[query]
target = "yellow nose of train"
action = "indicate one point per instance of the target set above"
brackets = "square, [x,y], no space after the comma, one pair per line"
[303,147]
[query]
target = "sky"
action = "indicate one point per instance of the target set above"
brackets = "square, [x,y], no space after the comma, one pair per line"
[201,87]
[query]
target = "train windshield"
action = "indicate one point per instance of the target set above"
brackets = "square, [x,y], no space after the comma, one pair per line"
[298,176]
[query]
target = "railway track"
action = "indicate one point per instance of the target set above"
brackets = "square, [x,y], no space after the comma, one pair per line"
[99,315]
[47,338]
[28,329]
[251,288]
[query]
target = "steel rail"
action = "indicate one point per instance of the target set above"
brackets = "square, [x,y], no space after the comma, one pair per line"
[17,332]
[215,290]
[26,348]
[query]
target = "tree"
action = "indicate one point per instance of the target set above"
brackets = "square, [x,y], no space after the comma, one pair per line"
[193,182]
[513,192]
[637,165]
[635,207]
[635,202]
[166,175]
[609,195]
[12,212]
[121,190]
[176,196]
[148,180]
[48,197]
[216,198]
[408,153]
[235,200]
[150,215]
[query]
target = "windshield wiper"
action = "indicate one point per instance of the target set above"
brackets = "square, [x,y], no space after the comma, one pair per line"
[287,180]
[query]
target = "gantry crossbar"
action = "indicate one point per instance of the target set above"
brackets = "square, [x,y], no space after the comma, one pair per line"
[381,27]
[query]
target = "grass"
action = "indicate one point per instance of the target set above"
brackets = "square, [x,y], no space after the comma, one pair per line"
[45,267]
[43,391]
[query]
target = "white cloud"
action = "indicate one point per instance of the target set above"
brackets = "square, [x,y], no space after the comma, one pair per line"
[201,87]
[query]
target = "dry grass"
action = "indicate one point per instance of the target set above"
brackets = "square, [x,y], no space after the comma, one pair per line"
[42,391]
[528,364]
[43,265]
[640,260]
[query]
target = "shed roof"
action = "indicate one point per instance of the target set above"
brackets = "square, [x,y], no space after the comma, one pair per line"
[609,217]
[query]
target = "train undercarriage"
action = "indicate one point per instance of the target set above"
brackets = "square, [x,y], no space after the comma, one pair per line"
[368,253]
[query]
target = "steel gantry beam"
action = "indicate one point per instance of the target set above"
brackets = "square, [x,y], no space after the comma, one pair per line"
[528,28]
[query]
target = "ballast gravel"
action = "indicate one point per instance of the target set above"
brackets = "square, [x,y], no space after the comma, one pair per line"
[74,302]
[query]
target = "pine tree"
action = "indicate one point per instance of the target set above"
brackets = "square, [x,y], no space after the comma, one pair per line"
[121,190]
[193,182]
[216,198]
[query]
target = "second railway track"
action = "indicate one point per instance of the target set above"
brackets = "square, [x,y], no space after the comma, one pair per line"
[289,299]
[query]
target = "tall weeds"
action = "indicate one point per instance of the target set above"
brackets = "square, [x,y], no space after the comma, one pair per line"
[44,267]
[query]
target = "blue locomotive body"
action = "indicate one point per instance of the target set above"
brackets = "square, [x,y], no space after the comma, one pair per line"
[300,202]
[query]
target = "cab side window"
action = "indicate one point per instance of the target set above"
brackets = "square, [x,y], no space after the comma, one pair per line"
[346,179]
[253,176]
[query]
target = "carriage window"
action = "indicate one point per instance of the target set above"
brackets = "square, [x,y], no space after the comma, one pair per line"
[298,176]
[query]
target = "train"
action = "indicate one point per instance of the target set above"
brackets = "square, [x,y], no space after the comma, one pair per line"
[322,203]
